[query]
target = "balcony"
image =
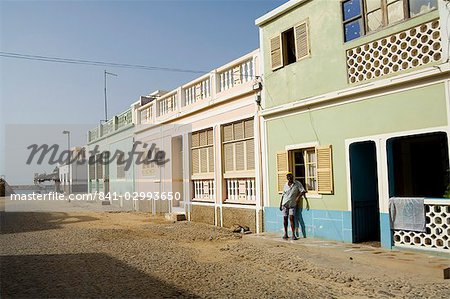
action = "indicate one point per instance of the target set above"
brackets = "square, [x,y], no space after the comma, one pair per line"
[241,190]
[224,83]
[167,104]
[241,73]
[204,190]
[411,48]
[200,90]
[116,123]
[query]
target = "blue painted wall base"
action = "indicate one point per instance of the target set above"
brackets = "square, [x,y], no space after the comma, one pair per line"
[330,225]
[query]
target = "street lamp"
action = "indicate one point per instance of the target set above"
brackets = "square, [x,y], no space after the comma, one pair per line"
[68,158]
[106,103]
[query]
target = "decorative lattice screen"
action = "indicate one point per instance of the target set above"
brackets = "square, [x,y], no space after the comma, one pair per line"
[411,48]
[437,235]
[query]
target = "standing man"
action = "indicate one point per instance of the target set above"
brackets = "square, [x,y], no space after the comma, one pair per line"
[292,192]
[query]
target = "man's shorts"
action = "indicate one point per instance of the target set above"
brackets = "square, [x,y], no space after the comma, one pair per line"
[286,211]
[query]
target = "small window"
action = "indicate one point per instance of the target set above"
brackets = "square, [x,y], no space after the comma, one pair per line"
[311,166]
[353,24]
[288,47]
[365,16]
[417,7]
[304,170]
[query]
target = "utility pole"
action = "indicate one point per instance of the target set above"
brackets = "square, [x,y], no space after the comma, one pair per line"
[106,102]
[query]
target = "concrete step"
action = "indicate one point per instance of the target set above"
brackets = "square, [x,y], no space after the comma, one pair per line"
[175,216]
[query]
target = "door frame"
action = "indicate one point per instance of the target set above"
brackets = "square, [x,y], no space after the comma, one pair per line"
[350,190]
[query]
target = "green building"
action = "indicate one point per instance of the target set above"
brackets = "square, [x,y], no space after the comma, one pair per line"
[356,104]
[114,137]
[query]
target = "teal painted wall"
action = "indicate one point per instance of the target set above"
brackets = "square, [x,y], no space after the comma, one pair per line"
[418,108]
[325,70]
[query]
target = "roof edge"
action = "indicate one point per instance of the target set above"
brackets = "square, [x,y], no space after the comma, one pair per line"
[278,11]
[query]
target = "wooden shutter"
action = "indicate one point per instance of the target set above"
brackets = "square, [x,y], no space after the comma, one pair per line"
[238,130]
[240,155]
[210,159]
[195,161]
[324,170]
[228,133]
[282,170]
[228,157]
[276,57]
[301,40]
[248,127]
[250,153]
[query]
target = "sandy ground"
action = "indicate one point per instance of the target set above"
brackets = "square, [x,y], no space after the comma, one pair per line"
[124,255]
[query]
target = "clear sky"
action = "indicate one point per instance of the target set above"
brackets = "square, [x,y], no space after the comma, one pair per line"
[187,34]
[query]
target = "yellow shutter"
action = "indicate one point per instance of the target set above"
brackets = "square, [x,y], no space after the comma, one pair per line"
[301,40]
[210,137]
[248,127]
[240,155]
[204,160]
[276,57]
[228,157]
[250,153]
[282,170]
[238,129]
[195,161]
[211,159]
[195,139]
[203,138]
[324,170]
[228,133]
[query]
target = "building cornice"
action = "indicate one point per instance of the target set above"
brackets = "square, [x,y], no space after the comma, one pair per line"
[426,73]
[273,14]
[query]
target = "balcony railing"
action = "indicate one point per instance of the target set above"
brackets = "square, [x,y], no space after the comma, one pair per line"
[115,123]
[437,235]
[147,115]
[204,190]
[237,74]
[93,134]
[198,91]
[241,190]
[167,104]
[125,118]
[108,127]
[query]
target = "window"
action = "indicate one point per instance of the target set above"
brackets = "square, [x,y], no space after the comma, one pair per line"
[92,168]
[121,165]
[311,166]
[290,46]
[304,168]
[365,16]
[418,166]
[149,168]
[238,147]
[417,7]
[202,152]
[353,23]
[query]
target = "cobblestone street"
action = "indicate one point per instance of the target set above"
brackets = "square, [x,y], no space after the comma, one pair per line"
[117,254]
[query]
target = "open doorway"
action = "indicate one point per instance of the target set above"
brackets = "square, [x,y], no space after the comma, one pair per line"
[418,165]
[364,192]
